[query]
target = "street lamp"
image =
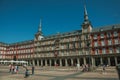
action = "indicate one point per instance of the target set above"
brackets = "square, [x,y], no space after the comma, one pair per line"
[88,46]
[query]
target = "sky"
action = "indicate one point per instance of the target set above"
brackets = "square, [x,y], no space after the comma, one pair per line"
[19,19]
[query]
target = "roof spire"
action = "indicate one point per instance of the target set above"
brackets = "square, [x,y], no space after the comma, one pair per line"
[40,26]
[85,13]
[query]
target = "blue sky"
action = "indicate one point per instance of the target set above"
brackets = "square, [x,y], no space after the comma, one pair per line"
[19,19]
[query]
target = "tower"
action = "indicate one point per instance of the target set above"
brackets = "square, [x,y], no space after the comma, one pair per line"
[86,25]
[39,35]
[86,29]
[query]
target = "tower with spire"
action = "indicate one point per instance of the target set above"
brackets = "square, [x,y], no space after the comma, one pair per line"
[86,25]
[86,29]
[39,35]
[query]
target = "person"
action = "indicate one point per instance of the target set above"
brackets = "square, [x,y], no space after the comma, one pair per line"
[17,68]
[33,68]
[13,68]
[103,69]
[10,68]
[83,68]
[26,73]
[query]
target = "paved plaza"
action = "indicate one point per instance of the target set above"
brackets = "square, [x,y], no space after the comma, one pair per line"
[53,73]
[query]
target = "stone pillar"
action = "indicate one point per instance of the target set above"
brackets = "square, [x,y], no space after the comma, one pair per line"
[66,63]
[71,61]
[33,62]
[41,62]
[50,62]
[46,62]
[116,61]
[109,61]
[84,59]
[60,62]
[93,61]
[30,62]
[55,62]
[101,60]
[37,62]
[78,61]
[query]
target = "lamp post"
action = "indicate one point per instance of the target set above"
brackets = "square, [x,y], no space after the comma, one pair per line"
[88,46]
[56,45]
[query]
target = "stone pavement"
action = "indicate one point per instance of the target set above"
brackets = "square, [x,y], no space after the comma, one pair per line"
[60,74]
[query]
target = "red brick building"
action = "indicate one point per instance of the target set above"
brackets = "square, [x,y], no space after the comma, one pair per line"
[89,45]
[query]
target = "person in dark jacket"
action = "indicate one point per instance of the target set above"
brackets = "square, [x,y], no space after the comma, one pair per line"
[26,73]
[33,68]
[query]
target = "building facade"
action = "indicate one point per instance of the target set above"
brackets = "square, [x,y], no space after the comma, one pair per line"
[89,45]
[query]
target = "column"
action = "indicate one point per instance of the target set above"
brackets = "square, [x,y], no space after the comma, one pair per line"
[109,61]
[29,63]
[50,62]
[60,62]
[101,60]
[66,63]
[116,61]
[55,62]
[33,62]
[78,61]
[37,62]
[45,62]
[84,59]
[41,62]
[93,61]
[72,62]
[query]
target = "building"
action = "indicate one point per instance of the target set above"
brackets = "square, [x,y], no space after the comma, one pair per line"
[90,45]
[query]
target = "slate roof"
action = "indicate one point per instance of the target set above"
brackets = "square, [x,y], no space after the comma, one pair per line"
[106,28]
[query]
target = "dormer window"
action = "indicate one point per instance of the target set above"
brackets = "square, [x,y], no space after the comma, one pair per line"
[115,33]
[95,36]
[109,35]
[102,35]
[101,29]
[113,27]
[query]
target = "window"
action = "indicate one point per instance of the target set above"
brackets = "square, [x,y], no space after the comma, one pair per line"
[110,50]
[80,44]
[116,41]
[109,35]
[74,39]
[96,51]
[109,42]
[102,42]
[118,50]
[104,51]
[86,37]
[102,35]
[95,36]
[96,44]
[74,45]
[115,33]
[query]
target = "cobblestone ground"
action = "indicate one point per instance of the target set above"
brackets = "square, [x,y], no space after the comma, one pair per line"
[59,74]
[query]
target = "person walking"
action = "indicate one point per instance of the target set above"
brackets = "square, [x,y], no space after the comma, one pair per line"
[13,69]
[104,69]
[17,68]
[33,68]
[26,73]
[10,68]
